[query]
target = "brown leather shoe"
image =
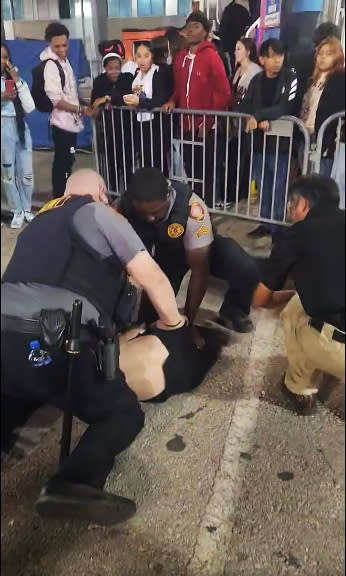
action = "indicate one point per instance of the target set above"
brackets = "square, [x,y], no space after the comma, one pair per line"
[304,405]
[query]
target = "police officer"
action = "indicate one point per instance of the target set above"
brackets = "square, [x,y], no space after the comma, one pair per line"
[77,247]
[174,221]
[313,252]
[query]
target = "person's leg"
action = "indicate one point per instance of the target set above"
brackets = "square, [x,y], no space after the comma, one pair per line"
[9,138]
[265,190]
[24,173]
[326,166]
[64,158]
[310,353]
[114,416]
[231,263]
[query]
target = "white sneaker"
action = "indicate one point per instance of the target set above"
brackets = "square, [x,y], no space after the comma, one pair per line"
[29,216]
[17,220]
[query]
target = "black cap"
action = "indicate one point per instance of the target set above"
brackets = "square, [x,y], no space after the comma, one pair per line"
[201,18]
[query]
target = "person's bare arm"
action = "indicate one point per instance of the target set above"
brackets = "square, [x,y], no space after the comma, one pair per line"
[198,262]
[155,283]
[265,298]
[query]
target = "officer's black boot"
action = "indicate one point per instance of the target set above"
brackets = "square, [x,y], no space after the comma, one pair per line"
[65,500]
[235,319]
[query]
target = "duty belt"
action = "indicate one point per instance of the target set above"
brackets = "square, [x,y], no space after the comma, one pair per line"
[29,326]
[337,335]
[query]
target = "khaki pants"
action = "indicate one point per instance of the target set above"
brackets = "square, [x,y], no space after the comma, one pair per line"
[310,353]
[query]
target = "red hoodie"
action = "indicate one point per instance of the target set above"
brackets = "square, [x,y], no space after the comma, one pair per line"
[200,84]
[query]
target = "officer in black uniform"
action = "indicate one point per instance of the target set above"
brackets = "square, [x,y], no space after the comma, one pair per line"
[77,247]
[175,223]
[312,251]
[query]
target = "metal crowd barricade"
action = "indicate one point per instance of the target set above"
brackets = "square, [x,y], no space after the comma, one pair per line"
[316,158]
[240,174]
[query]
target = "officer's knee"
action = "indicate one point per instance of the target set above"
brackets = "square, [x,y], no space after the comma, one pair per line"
[249,271]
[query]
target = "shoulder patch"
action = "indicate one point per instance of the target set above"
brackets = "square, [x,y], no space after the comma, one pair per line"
[203,231]
[197,211]
[56,203]
[175,230]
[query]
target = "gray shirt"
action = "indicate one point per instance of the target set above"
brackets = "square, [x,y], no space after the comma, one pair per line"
[105,231]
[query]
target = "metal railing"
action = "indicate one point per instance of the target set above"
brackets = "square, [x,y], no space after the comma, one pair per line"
[236,173]
[335,124]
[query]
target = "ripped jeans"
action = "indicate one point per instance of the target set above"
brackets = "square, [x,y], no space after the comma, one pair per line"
[16,166]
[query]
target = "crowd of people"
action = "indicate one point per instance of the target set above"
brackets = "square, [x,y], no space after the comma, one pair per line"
[80,246]
[181,69]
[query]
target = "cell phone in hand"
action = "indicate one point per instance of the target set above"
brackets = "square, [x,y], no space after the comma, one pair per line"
[10,85]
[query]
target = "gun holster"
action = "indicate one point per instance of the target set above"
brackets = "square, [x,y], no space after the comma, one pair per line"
[54,324]
[107,347]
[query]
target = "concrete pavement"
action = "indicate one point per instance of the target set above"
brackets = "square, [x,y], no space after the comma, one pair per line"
[227,480]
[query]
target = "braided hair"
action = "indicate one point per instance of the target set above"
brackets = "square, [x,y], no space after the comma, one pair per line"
[20,114]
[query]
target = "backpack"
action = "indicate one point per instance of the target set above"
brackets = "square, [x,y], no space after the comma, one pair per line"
[42,102]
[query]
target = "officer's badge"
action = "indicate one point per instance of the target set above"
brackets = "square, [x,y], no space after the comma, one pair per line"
[175,230]
[203,231]
[197,212]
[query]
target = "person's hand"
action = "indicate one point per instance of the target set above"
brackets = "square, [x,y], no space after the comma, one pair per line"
[197,338]
[264,126]
[8,96]
[87,111]
[100,101]
[131,100]
[251,125]
[162,326]
[168,107]
[12,71]
[200,132]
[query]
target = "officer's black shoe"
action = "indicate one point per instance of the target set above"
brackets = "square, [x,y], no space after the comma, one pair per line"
[259,232]
[237,321]
[69,501]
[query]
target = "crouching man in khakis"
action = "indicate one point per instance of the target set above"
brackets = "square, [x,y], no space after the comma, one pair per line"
[312,251]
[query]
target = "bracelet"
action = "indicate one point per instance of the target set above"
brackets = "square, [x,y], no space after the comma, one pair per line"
[172,325]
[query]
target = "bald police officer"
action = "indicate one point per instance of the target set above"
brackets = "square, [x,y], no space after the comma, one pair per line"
[78,247]
[175,223]
[312,251]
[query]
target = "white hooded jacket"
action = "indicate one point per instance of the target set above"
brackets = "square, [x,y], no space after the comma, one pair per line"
[52,84]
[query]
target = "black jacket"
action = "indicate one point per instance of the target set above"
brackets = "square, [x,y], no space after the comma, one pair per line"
[332,101]
[102,86]
[283,105]
[284,100]
[163,88]
[235,20]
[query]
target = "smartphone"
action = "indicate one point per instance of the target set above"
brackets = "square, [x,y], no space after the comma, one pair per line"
[10,85]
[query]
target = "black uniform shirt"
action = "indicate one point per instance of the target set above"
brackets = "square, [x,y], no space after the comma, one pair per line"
[313,252]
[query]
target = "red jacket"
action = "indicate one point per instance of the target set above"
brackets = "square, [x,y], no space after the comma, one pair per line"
[202,85]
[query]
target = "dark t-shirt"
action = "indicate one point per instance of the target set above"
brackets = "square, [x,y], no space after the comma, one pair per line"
[104,87]
[269,88]
[313,252]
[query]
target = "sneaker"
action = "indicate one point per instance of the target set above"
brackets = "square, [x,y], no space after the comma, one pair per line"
[17,220]
[29,216]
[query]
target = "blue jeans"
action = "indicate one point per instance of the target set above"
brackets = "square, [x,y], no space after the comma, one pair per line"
[268,183]
[16,166]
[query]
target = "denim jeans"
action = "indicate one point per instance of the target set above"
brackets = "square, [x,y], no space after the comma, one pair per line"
[16,166]
[268,183]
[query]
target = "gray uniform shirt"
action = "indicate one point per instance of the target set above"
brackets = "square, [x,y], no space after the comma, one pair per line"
[107,233]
